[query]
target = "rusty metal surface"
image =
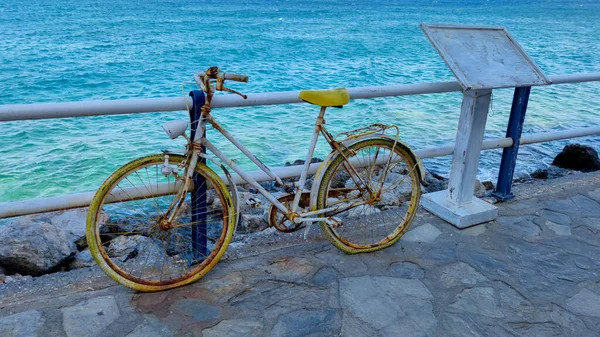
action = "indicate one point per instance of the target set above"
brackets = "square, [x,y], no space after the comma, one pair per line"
[484,57]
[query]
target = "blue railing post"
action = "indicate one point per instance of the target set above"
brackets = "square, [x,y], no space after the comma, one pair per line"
[198,199]
[509,155]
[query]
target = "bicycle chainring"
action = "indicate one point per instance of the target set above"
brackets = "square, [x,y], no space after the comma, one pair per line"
[278,220]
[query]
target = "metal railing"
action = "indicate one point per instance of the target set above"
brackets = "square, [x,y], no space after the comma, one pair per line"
[18,112]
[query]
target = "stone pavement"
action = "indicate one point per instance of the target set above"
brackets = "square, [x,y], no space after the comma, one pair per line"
[532,272]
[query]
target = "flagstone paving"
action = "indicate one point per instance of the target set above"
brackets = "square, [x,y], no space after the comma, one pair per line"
[534,271]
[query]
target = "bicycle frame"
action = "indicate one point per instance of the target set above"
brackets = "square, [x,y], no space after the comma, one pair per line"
[290,213]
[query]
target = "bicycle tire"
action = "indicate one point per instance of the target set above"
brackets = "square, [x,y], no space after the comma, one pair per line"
[123,234]
[359,230]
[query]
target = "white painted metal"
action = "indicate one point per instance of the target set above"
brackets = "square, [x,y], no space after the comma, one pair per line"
[14,112]
[175,128]
[243,149]
[308,159]
[465,215]
[484,57]
[247,178]
[575,78]
[557,135]
[458,206]
[469,139]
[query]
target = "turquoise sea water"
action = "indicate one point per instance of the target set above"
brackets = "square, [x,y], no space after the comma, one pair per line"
[56,51]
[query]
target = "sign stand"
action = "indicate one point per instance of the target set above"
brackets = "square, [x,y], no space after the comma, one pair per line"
[481,58]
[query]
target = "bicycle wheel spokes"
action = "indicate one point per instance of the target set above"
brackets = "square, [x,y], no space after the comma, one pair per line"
[135,237]
[385,205]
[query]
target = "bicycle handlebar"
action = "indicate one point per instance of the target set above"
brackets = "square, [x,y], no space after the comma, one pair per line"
[213,73]
[233,77]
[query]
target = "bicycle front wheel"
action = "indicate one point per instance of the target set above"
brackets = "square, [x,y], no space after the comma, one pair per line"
[132,239]
[373,196]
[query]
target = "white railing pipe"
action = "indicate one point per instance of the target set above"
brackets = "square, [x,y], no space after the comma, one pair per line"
[13,112]
[25,207]
[558,135]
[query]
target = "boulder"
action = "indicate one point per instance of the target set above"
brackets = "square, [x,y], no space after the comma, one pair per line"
[578,157]
[434,182]
[32,246]
[540,174]
[479,189]
[128,248]
[253,223]
[253,203]
[301,162]
[82,259]
[17,278]
[2,275]
[488,185]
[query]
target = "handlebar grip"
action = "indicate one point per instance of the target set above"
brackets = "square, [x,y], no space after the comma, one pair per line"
[235,77]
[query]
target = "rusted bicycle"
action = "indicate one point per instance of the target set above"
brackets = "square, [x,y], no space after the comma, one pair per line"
[165,220]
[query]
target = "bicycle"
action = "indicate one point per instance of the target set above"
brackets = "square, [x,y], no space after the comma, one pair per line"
[165,220]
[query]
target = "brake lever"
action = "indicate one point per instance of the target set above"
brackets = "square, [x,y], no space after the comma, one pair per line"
[221,87]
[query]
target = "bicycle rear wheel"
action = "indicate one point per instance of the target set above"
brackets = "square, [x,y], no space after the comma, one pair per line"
[376,217]
[131,238]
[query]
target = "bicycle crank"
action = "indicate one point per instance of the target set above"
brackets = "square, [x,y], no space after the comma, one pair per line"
[278,220]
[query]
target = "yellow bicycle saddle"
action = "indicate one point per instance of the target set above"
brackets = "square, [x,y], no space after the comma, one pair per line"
[332,97]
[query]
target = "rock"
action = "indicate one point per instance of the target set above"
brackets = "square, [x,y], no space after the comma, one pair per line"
[406,270]
[474,230]
[33,248]
[90,317]
[540,174]
[325,277]
[127,248]
[479,189]
[363,210]
[2,275]
[514,304]
[434,182]
[555,217]
[521,227]
[301,162]
[585,302]
[478,301]
[488,185]
[151,326]
[392,306]
[82,259]
[26,323]
[199,310]
[558,229]
[17,278]
[235,328]
[354,327]
[71,222]
[308,323]
[578,157]
[534,328]
[253,203]
[425,233]
[253,223]
[460,274]
[557,172]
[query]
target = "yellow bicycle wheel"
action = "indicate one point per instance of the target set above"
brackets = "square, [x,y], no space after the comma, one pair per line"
[373,200]
[135,243]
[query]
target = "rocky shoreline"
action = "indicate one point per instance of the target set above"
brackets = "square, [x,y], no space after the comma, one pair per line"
[54,242]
